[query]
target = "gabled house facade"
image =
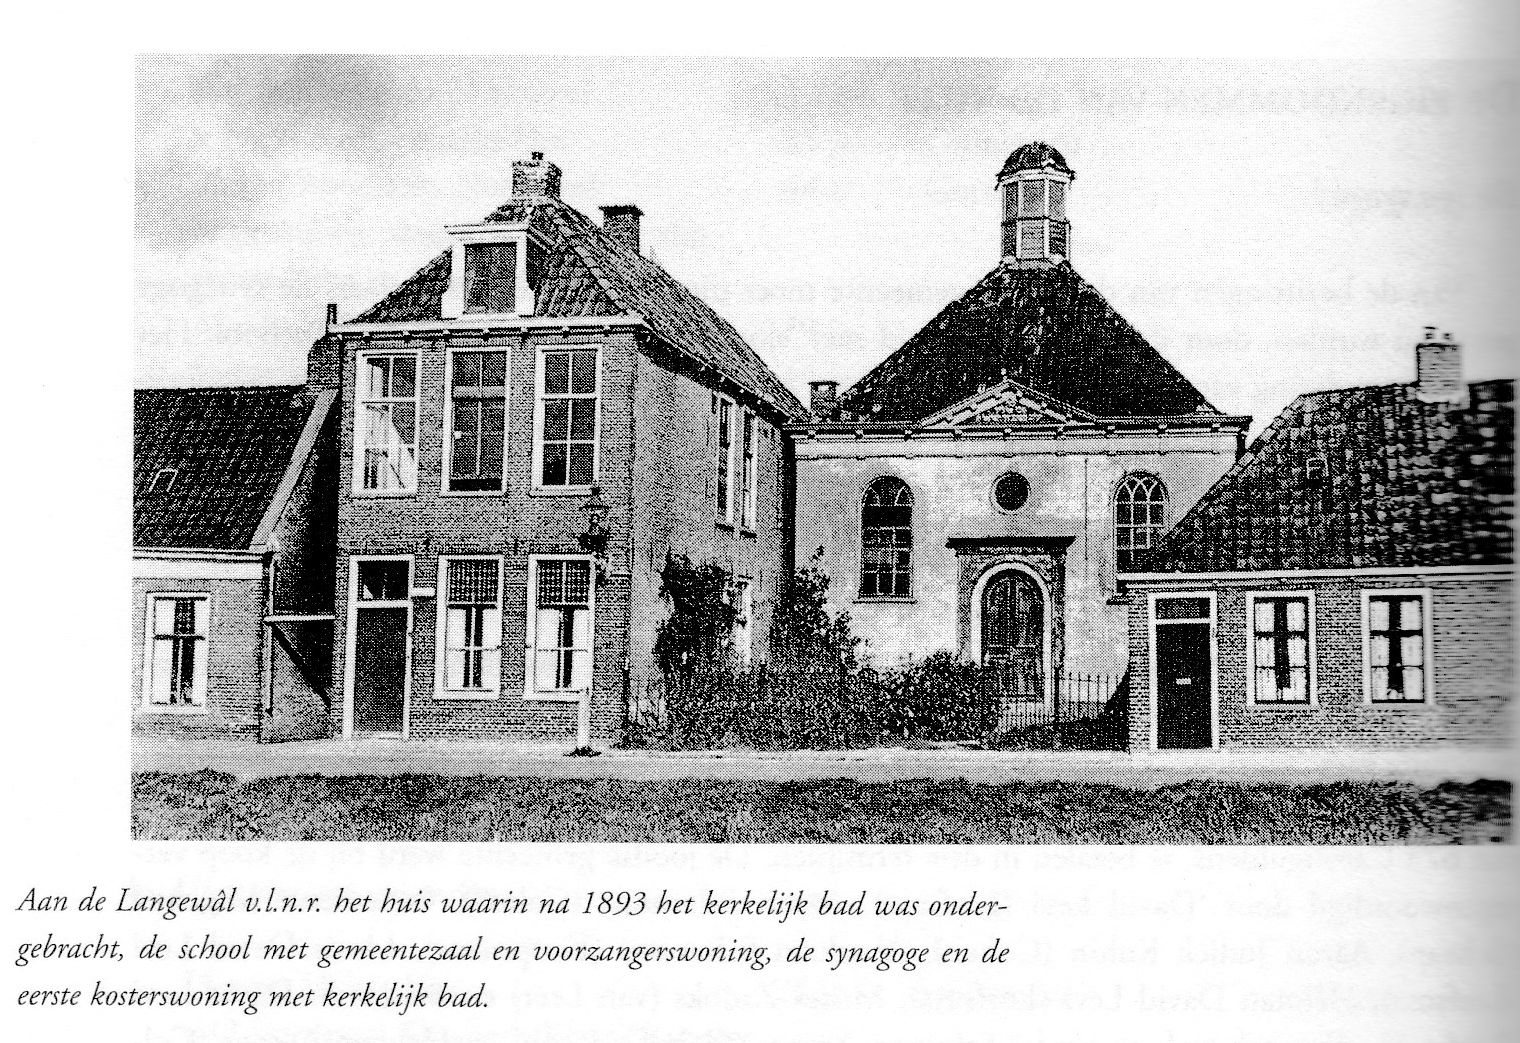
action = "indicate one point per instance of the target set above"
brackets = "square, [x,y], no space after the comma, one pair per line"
[527,428]
[980,490]
[1348,583]
[233,534]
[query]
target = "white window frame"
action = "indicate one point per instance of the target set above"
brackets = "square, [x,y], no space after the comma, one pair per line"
[530,645]
[1152,706]
[359,426]
[1311,654]
[1424,594]
[350,637]
[199,682]
[448,420]
[749,467]
[441,689]
[727,472]
[538,423]
[168,486]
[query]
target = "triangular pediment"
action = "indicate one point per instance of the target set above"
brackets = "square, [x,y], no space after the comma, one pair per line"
[1008,404]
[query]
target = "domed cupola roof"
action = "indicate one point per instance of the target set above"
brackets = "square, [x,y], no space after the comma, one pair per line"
[1034,156]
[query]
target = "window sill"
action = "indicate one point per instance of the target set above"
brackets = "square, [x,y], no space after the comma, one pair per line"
[383,494]
[560,490]
[1281,707]
[886,601]
[172,711]
[467,697]
[554,697]
[1402,705]
[472,492]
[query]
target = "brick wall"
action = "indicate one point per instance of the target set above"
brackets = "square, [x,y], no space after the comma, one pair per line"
[654,471]
[234,650]
[1471,649]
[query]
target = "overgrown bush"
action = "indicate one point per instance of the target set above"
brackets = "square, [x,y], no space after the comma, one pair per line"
[697,636]
[805,635]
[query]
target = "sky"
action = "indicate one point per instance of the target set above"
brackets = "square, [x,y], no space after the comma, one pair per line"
[1272,227]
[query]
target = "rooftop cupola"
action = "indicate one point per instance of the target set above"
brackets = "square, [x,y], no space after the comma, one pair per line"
[1034,183]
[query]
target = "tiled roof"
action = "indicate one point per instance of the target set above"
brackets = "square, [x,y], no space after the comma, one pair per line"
[229,448]
[1404,483]
[588,273]
[1042,326]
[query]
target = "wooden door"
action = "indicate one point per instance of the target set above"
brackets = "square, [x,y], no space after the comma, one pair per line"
[380,650]
[1184,686]
[1013,633]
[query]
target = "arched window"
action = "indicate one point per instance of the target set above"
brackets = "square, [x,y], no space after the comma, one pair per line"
[1139,518]
[886,539]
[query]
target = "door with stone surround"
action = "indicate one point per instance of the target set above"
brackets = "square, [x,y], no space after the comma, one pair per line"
[1013,633]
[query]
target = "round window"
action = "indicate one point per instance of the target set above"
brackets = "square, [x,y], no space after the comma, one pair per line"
[1011,491]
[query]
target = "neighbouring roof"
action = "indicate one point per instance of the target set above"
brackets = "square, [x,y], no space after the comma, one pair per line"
[1045,327]
[228,446]
[1033,156]
[588,273]
[1404,483]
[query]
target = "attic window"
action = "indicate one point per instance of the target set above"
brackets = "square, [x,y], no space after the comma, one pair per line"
[1314,469]
[163,481]
[490,278]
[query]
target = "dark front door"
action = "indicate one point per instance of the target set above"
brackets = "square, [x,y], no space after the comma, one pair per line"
[1013,633]
[1184,696]
[379,669]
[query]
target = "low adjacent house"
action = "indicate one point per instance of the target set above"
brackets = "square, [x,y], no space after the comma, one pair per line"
[1349,582]
[233,530]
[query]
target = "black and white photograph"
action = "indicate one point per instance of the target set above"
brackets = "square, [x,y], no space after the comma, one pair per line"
[589,523]
[946,513]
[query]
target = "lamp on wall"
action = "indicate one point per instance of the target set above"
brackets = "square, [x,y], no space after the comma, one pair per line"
[594,540]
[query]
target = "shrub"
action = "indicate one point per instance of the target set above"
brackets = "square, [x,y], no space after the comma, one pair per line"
[698,633]
[805,635]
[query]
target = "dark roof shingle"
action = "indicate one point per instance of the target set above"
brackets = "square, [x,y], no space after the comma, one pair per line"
[1401,483]
[1042,326]
[228,447]
[589,273]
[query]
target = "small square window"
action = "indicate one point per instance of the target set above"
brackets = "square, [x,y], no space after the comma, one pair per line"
[384,581]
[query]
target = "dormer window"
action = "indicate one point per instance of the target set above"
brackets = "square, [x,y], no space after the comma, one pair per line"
[163,481]
[490,278]
[494,270]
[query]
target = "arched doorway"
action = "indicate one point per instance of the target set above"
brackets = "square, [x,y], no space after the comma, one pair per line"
[1012,632]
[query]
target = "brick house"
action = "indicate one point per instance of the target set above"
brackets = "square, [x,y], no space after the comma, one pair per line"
[980,489]
[1349,582]
[527,427]
[233,529]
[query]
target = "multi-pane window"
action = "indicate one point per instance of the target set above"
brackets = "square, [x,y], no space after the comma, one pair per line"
[1139,518]
[1280,649]
[478,412]
[177,652]
[562,626]
[747,473]
[886,539]
[385,580]
[387,423]
[490,278]
[1396,667]
[727,413]
[472,625]
[568,417]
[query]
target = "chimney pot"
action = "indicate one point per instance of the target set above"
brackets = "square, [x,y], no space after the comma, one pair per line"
[823,398]
[1438,370]
[535,177]
[332,315]
[621,222]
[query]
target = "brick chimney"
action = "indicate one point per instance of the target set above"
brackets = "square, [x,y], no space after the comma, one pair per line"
[535,177]
[823,397]
[1438,369]
[621,222]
